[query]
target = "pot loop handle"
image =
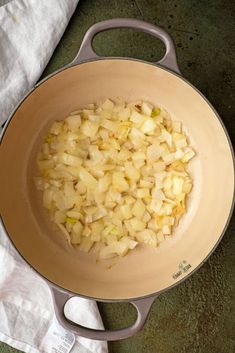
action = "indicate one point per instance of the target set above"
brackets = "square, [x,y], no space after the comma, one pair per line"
[142,307]
[86,51]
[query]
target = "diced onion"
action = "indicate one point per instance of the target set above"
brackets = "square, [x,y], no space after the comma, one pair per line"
[114,175]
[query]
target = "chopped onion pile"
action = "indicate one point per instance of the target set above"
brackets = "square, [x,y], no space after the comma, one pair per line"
[115,175]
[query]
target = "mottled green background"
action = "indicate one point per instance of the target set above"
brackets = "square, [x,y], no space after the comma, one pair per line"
[198,315]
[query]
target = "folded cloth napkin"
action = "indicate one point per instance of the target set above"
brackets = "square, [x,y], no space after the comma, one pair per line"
[29,32]
[27,319]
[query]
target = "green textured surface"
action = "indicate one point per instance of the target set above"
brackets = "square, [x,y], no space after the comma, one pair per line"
[198,315]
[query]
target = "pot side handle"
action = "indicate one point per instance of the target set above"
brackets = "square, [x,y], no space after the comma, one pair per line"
[86,51]
[142,307]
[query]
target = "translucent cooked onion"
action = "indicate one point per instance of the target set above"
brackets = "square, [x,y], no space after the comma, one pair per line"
[115,174]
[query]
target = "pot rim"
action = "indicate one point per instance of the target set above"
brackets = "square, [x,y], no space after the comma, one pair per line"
[154,294]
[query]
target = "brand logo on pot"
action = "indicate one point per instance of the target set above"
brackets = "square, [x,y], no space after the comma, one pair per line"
[184,266]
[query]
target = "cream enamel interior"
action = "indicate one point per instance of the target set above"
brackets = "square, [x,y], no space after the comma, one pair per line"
[144,270]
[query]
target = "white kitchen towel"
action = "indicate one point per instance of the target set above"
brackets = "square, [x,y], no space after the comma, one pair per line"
[27,319]
[29,32]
